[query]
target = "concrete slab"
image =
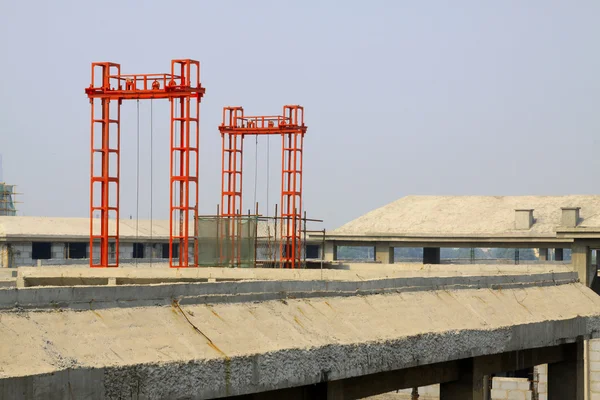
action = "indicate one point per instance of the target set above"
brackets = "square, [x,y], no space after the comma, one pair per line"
[204,350]
[65,276]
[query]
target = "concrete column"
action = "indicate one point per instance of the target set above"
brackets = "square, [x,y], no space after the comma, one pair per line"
[330,251]
[581,260]
[543,254]
[431,255]
[566,379]
[469,385]
[384,253]
[4,255]
[558,254]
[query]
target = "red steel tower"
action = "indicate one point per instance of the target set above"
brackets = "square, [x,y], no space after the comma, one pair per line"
[106,92]
[290,126]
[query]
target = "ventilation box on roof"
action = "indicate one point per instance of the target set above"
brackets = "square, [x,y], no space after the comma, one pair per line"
[523,218]
[570,217]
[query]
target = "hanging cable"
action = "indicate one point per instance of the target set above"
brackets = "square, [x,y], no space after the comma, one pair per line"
[151,177]
[137,188]
[255,167]
[268,152]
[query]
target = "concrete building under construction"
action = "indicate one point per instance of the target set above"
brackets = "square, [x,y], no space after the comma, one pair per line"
[7,200]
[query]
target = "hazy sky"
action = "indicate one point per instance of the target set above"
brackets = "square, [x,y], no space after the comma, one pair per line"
[421,97]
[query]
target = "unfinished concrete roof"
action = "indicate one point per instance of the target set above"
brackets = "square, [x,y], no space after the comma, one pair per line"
[472,216]
[61,228]
[201,347]
[76,228]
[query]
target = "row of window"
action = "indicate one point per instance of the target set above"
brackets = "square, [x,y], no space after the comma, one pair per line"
[75,250]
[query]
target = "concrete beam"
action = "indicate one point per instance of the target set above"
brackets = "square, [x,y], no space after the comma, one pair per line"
[459,379]
[463,242]
[384,382]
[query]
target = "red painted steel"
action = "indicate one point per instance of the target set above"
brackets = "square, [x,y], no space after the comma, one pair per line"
[234,128]
[183,89]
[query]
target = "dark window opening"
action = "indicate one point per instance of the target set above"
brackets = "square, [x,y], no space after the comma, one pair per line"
[312,251]
[77,250]
[165,250]
[138,250]
[41,250]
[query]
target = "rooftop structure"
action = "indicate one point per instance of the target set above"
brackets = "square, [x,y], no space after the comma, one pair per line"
[475,216]
[28,241]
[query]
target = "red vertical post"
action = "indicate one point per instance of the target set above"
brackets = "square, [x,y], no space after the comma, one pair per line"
[182,88]
[231,184]
[291,186]
[104,171]
[185,136]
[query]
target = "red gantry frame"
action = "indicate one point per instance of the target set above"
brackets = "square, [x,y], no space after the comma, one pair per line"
[290,126]
[109,88]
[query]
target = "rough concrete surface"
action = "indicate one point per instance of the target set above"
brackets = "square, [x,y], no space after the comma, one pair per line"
[471,216]
[339,272]
[77,228]
[196,351]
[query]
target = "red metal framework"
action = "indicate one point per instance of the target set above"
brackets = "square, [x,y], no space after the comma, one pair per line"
[290,125]
[183,89]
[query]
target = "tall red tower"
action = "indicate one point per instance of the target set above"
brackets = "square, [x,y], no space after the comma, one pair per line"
[106,92]
[290,126]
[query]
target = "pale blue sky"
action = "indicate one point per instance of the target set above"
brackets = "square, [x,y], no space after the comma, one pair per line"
[427,97]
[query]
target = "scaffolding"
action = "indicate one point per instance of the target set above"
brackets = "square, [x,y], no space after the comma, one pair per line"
[249,241]
[7,200]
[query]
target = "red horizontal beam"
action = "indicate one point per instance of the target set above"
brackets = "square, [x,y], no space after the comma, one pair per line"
[143,94]
[262,131]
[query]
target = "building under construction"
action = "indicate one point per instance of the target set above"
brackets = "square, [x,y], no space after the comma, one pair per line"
[7,200]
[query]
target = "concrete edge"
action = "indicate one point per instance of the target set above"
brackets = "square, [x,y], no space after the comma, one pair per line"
[86,297]
[255,373]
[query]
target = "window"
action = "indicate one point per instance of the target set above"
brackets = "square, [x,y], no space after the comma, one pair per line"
[138,250]
[77,250]
[312,251]
[165,250]
[41,250]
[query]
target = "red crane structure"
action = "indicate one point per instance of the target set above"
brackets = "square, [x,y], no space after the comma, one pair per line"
[290,126]
[106,92]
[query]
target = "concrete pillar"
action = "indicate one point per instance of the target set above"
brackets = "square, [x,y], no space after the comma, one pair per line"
[566,379]
[384,253]
[469,386]
[581,260]
[4,255]
[543,254]
[330,251]
[558,254]
[431,255]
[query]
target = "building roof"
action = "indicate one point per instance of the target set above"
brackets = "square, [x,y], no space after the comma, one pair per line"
[61,228]
[76,228]
[472,216]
